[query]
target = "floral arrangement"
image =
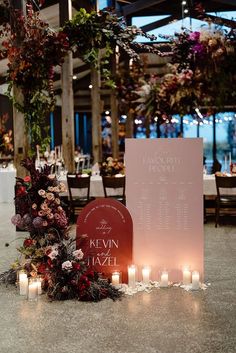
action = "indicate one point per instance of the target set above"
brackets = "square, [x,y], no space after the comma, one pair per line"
[88,33]
[6,138]
[210,55]
[202,73]
[33,50]
[48,250]
[112,167]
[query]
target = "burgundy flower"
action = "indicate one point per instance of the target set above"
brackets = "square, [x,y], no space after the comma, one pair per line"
[28,242]
[21,191]
[42,268]
[76,266]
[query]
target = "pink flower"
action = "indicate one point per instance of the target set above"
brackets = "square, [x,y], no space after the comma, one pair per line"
[50,196]
[67,265]
[49,215]
[194,36]
[41,213]
[16,220]
[78,254]
[57,201]
[34,206]
[44,206]
[42,193]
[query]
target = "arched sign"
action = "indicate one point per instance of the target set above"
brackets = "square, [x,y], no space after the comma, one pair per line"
[108,228]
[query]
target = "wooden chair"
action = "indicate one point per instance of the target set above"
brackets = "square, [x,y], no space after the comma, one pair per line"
[224,199]
[116,185]
[79,192]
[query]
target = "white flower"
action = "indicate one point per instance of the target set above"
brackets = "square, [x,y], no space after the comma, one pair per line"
[78,254]
[53,254]
[67,265]
[42,192]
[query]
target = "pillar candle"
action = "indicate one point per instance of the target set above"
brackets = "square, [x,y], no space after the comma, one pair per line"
[23,282]
[164,279]
[229,159]
[186,276]
[132,276]
[115,278]
[33,290]
[146,275]
[195,280]
[39,283]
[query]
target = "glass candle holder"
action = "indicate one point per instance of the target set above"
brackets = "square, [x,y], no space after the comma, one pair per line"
[132,276]
[39,282]
[146,274]
[33,290]
[164,279]
[195,280]
[187,276]
[23,283]
[116,278]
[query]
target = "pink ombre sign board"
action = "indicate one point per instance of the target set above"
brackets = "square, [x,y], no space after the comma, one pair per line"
[164,193]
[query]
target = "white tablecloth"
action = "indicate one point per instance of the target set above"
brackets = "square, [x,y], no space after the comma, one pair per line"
[209,186]
[96,187]
[7,184]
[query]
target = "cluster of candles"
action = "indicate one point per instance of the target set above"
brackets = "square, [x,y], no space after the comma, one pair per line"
[189,278]
[31,288]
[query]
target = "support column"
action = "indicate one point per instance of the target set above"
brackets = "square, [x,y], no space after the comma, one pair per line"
[114,112]
[21,137]
[21,145]
[68,144]
[96,117]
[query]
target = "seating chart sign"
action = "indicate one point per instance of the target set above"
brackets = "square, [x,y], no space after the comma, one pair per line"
[108,230]
[164,194]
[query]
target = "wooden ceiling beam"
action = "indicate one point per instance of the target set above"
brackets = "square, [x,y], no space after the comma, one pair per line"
[157,24]
[227,2]
[139,6]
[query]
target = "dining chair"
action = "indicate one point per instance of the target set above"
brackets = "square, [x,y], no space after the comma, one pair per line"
[226,196]
[79,192]
[114,187]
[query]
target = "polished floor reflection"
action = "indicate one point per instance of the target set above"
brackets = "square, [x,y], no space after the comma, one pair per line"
[164,321]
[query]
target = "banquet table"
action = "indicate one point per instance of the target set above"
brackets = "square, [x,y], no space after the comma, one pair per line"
[209,186]
[7,184]
[96,187]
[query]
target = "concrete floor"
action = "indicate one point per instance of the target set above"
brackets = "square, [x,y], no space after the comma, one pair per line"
[164,321]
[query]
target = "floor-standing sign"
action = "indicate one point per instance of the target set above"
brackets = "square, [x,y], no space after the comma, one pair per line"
[106,227]
[164,191]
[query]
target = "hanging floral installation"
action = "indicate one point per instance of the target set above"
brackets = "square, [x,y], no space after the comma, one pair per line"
[202,73]
[49,250]
[33,50]
[94,37]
